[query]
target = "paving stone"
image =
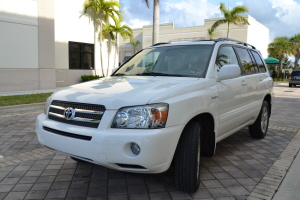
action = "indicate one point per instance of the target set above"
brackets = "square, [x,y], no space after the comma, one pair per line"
[236,191]
[78,192]
[22,187]
[219,192]
[41,186]
[15,195]
[139,197]
[36,195]
[118,197]
[212,184]
[56,194]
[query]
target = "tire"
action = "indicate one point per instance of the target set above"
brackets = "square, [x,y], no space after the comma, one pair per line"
[259,129]
[290,85]
[187,159]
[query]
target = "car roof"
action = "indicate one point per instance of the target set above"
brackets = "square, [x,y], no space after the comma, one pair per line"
[206,42]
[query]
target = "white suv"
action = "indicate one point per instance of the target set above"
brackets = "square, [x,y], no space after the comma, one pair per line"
[168,104]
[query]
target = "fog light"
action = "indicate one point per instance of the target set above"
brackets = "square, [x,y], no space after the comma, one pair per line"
[135,148]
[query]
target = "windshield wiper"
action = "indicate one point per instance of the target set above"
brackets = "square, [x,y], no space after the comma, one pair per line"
[119,74]
[157,74]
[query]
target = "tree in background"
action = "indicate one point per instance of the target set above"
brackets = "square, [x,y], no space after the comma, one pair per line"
[280,48]
[231,16]
[210,32]
[135,45]
[296,48]
[99,12]
[155,33]
[113,30]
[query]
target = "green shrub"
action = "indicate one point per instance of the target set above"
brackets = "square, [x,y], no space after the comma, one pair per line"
[85,78]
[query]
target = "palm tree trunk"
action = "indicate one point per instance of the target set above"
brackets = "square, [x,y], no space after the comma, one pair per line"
[296,60]
[116,50]
[95,39]
[228,30]
[108,61]
[280,67]
[155,34]
[100,43]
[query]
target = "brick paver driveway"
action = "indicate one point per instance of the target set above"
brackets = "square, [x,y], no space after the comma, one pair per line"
[29,171]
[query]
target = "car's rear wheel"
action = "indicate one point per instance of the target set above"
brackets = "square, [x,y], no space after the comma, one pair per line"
[290,85]
[260,127]
[187,159]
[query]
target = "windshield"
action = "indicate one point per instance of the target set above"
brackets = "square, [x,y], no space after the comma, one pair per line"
[190,60]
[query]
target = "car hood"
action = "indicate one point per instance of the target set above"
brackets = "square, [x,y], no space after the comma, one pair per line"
[117,92]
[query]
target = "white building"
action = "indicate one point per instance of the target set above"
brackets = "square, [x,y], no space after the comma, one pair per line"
[46,44]
[255,34]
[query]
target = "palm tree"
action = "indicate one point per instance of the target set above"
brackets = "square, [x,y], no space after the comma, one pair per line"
[279,48]
[231,16]
[135,45]
[155,34]
[99,12]
[210,32]
[113,30]
[296,46]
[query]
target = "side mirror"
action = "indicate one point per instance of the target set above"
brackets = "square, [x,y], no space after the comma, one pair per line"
[229,72]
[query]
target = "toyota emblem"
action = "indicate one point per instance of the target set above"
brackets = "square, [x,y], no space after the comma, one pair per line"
[69,113]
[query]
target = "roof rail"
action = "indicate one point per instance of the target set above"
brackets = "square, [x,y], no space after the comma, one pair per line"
[161,43]
[239,42]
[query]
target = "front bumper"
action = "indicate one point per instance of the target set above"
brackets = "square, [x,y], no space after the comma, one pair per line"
[111,147]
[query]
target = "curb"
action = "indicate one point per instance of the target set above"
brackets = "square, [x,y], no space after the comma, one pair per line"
[21,109]
[269,184]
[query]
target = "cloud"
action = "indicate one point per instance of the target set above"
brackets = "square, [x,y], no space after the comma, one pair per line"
[280,16]
[277,15]
[182,13]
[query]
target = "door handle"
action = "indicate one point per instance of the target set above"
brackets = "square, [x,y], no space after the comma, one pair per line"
[260,79]
[244,83]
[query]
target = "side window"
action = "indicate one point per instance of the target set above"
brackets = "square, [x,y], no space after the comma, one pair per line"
[259,62]
[248,66]
[226,56]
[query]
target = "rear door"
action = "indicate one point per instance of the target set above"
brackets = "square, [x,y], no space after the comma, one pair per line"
[251,89]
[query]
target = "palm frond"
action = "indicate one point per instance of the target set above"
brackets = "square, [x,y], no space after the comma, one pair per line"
[146,2]
[239,10]
[218,23]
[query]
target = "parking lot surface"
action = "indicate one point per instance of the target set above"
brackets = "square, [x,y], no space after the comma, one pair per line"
[239,169]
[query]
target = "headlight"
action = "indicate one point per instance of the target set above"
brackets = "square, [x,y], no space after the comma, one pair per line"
[148,116]
[47,105]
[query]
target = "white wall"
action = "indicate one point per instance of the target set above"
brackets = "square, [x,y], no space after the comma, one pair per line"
[69,26]
[19,34]
[258,36]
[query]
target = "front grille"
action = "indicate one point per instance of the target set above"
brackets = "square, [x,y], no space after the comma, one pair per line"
[88,115]
[72,135]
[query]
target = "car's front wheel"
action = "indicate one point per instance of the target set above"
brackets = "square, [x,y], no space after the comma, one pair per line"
[187,159]
[260,127]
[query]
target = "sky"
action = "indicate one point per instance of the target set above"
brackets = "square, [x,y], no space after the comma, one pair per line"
[280,16]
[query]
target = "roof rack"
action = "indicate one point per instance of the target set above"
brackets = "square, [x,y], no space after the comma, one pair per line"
[161,43]
[239,42]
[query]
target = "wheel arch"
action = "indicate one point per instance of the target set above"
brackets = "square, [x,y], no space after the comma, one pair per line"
[207,133]
[268,98]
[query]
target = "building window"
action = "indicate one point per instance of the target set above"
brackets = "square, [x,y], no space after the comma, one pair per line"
[81,55]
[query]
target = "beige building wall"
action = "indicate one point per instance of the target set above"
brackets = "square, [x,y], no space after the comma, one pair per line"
[25,51]
[255,34]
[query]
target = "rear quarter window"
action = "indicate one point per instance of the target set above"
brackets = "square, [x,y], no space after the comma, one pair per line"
[259,62]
